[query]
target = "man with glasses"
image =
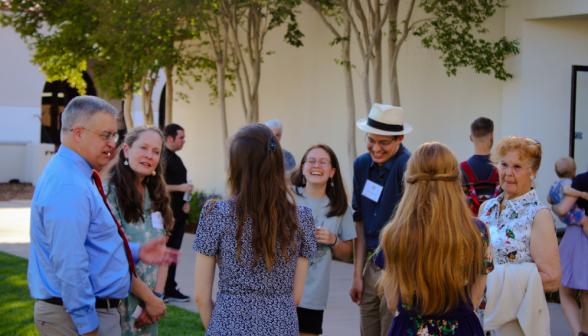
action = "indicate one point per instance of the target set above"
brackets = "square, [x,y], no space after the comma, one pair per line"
[80,263]
[377,189]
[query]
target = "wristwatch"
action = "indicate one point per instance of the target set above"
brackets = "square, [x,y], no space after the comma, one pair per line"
[159,295]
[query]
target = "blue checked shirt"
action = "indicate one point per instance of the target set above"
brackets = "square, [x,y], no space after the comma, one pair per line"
[76,252]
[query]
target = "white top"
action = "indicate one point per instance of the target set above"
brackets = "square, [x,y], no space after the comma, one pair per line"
[316,286]
[510,231]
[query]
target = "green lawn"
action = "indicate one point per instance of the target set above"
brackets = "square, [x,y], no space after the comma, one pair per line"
[16,306]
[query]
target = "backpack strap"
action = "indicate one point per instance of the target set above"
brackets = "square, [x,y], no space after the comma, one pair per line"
[465,166]
[494,177]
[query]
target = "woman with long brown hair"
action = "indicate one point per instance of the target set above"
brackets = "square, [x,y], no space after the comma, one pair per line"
[318,185]
[136,193]
[261,239]
[435,256]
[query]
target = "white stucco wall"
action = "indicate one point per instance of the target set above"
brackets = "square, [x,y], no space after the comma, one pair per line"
[304,89]
[551,47]
[581,124]
[21,85]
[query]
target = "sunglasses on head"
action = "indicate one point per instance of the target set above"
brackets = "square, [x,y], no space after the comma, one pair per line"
[531,140]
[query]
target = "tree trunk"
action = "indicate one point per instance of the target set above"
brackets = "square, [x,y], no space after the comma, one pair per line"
[377,59]
[394,91]
[392,46]
[147,95]
[144,98]
[365,80]
[150,120]
[345,51]
[128,107]
[220,69]
[169,94]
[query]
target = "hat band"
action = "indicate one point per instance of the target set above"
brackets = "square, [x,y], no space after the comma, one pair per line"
[385,127]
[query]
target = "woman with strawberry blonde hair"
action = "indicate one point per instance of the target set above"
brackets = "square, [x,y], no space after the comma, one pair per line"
[435,256]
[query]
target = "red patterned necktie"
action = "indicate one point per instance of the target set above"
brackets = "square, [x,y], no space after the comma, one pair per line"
[98,183]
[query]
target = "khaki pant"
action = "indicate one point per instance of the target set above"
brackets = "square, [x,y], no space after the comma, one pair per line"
[52,320]
[375,317]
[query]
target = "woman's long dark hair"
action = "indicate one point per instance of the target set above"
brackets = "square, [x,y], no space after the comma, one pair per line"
[123,178]
[337,194]
[256,180]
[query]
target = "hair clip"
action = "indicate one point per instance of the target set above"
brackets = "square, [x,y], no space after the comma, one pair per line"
[271,145]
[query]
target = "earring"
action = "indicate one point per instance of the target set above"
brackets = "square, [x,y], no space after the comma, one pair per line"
[153,173]
[532,177]
[332,184]
[126,163]
[303,180]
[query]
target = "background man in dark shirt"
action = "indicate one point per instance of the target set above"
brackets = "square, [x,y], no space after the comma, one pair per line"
[176,179]
[377,189]
[483,181]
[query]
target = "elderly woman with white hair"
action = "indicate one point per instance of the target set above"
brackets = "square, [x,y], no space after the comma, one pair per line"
[276,126]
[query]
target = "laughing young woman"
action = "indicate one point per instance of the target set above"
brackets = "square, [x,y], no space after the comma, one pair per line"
[318,185]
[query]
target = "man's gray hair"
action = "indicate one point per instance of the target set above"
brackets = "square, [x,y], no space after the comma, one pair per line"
[81,109]
[274,124]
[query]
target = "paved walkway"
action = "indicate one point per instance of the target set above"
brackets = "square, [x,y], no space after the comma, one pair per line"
[341,317]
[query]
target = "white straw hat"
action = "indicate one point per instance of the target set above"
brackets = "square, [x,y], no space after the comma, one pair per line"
[385,120]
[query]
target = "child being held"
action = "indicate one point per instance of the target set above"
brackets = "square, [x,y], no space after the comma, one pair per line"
[565,169]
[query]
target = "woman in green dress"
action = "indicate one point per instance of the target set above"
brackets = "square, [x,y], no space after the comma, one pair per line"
[136,193]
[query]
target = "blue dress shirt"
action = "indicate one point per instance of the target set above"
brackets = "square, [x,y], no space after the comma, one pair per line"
[375,215]
[76,252]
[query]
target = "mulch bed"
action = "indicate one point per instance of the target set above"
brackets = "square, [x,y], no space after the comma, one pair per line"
[21,191]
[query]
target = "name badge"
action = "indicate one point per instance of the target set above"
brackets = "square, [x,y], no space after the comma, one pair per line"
[372,191]
[137,312]
[157,220]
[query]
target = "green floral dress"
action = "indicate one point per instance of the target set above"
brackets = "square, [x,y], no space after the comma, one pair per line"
[138,233]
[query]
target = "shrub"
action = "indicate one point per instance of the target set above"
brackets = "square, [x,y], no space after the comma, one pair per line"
[199,199]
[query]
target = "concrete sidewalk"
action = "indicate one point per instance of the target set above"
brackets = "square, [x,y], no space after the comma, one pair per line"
[341,316]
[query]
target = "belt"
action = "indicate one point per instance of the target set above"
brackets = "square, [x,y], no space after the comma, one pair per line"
[100,303]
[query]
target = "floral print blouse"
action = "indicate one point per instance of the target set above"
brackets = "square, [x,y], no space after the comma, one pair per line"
[510,231]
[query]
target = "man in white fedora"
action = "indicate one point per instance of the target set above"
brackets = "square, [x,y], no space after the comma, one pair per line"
[377,188]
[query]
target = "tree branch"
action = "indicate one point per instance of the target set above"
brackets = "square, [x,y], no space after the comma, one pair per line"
[380,25]
[315,6]
[406,30]
[354,26]
[419,21]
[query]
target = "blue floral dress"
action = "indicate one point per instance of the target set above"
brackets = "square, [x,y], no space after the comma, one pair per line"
[463,321]
[251,300]
[137,233]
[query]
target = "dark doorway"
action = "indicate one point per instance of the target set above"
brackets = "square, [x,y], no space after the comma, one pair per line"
[162,109]
[56,95]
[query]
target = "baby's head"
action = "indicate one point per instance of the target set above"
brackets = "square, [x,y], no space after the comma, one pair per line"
[565,167]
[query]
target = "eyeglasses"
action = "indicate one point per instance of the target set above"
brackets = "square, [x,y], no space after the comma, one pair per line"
[531,140]
[321,162]
[372,142]
[106,136]
[502,166]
